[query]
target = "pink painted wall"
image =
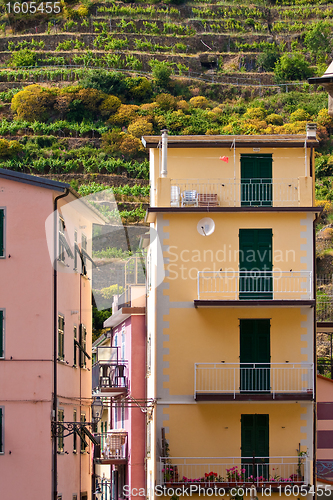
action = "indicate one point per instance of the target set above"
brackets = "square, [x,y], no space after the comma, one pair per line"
[135,423]
[26,373]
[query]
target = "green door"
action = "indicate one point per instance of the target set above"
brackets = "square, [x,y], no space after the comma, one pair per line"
[256,180]
[255,348]
[255,264]
[255,445]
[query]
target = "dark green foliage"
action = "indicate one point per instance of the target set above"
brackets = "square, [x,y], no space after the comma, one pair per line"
[318,39]
[110,83]
[266,60]
[97,321]
[161,72]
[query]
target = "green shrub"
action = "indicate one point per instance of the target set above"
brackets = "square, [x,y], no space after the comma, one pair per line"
[23,57]
[299,115]
[161,72]
[292,67]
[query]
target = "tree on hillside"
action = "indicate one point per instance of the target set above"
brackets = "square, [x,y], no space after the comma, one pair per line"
[292,67]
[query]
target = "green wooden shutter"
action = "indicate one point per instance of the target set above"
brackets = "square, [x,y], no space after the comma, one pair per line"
[255,255]
[256,180]
[1,431]
[1,334]
[255,348]
[255,440]
[2,235]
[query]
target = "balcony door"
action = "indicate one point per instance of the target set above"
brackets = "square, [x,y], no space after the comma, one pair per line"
[255,355]
[256,180]
[255,264]
[255,445]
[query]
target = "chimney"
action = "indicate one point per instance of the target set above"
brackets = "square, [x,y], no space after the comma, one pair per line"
[164,168]
[311,130]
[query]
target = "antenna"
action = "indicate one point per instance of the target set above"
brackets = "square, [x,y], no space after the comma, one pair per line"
[206,226]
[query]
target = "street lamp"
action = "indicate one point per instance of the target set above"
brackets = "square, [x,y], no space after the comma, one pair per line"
[98,493]
[97,409]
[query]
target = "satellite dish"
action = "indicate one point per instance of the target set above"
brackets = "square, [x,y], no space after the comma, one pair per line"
[206,226]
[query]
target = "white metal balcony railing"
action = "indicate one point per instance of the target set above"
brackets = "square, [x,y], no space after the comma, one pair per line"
[234,285]
[229,470]
[231,192]
[235,378]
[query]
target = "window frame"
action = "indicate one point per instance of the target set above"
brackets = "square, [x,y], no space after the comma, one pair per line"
[82,420]
[2,332]
[61,339]
[3,232]
[75,346]
[2,430]
[62,249]
[83,344]
[74,433]
[84,246]
[61,441]
[75,251]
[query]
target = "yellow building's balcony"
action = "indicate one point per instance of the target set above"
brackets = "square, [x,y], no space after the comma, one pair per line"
[222,287]
[228,472]
[293,192]
[260,381]
[113,449]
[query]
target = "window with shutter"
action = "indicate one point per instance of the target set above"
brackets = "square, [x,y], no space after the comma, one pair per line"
[2,232]
[61,329]
[2,355]
[1,430]
[256,180]
[255,444]
[255,355]
[255,264]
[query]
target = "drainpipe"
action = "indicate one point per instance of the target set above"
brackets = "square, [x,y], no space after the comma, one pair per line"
[55,337]
[315,356]
[164,168]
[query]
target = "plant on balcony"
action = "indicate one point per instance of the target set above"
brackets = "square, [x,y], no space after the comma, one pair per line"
[168,473]
[210,476]
[234,474]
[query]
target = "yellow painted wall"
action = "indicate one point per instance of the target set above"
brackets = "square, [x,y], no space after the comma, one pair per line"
[214,430]
[191,252]
[203,163]
[212,335]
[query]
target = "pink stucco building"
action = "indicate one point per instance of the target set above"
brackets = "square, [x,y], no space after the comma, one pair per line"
[119,378]
[45,338]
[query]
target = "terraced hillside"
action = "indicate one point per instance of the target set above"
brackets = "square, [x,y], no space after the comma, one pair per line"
[79,87]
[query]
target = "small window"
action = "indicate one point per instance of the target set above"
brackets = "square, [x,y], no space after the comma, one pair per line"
[61,329]
[84,245]
[61,431]
[74,433]
[2,232]
[84,496]
[74,497]
[123,338]
[2,333]
[122,415]
[1,430]
[149,355]
[148,439]
[83,444]
[61,239]
[75,347]
[83,344]
[75,250]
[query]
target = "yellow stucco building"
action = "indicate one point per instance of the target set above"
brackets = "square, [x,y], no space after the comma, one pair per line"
[230,325]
